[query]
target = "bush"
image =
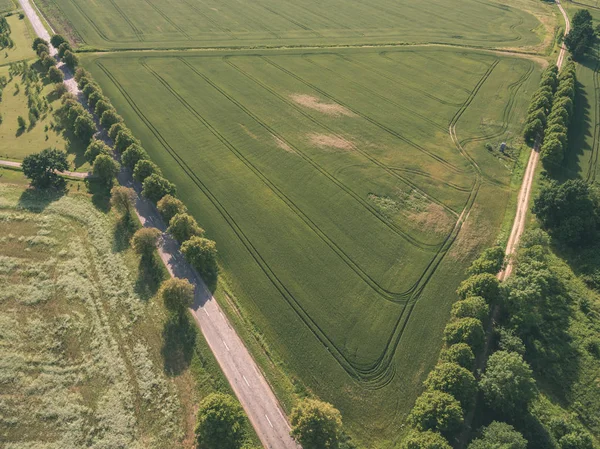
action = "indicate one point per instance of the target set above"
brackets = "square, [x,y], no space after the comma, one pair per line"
[70,59]
[177,294]
[155,187]
[102,106]
[436,411]
[485,285]
[507,384]
[455,380]
[183,227]
[124,140]
[109,118]
[424,440]
[499,435]
[201,253]
[133,155]
[316,424]
[490,261]
[105,169]
[459,353]
[465,330]
[55,75]
[219,423]
[169,206]
[145,168]
[145,240]
[116,129]
[94,149]
[471,307]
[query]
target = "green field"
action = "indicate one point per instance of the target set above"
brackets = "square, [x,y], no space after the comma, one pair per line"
[208,23]
[336,195]
[20,34]
[88,357]
[6,5]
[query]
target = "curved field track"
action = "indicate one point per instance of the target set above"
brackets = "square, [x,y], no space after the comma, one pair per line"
[336,231]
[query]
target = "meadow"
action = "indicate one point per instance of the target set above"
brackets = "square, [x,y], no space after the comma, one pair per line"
[20,34]
[88,356]
[347,190]
[208,23]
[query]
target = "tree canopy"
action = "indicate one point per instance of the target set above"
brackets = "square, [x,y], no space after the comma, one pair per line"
[437,411]
[424,440]
[183,226]
[41,168]
[220,423]
[177,294]
[316,425]
[499,435]
[581,37]
[455,380]
[155,187]
[144,241]
[169,206]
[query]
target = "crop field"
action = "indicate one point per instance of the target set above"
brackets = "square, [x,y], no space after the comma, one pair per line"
[85,358]
[230,23]
[337,185]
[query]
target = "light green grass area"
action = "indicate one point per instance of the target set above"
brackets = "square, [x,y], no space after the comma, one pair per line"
[15,143]
[230,23]
[20,34]
[334,190]
[89,358]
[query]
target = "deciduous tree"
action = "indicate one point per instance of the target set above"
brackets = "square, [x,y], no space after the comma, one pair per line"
[436,411]
[169,206]
[105,169]
[455,380]
[499,435]
[144,241]
[41,168]
[201,253]
[183,227]
[145,168]
[316,425]
[177,294]
[220,423]
[155,187]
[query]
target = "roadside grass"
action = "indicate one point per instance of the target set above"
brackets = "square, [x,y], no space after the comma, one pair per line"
[87,361]
[17,143]
[6,5]
[182,24]
[20,34]
[283,156]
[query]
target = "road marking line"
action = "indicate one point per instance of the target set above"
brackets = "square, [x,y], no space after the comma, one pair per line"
[226,345]
[245,380]
[206,312]
[269,421]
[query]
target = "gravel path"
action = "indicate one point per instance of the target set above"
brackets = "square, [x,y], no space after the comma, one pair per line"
[242,372]
[72,174]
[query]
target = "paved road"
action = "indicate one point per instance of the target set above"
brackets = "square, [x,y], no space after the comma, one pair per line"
[242,372]
[525,192]
[72,174]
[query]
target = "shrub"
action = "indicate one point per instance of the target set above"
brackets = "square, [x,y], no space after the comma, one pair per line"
[105,169]
[177,294]
[63,48]
[465,330]
[155,187]
[55,75]
[220,423]
[169,206]
[37,41]
[473,307]
[145,168]
[183,227]
[499,435]
[424,440]
[459,353]
[201,253]
[94,149]
[507,384]
[109,118]
[455,380]
[437,411]
[132,155]
[485,285]
[145,240]
[316,424]
[124,140]
[70,59]
[116,129]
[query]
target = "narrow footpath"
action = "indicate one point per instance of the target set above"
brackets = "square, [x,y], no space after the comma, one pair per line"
[242,372]
[72,174]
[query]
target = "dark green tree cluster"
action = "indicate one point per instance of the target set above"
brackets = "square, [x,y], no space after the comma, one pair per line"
[540,105]
[316,425]
[569,211]
[64,51]
[581,37]
[555,138]
[43,168]
[5,39]
[220,423]
[78,119]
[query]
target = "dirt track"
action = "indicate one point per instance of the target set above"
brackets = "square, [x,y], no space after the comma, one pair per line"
[525,192]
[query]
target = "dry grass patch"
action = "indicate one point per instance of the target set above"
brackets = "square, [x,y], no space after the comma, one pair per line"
[311,102]
[326,140]
[284,146]
[434,219]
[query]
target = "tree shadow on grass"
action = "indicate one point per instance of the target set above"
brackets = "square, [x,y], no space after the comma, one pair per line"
[151,273]
[100,194]
[37,200]
[179,339]
[124,229]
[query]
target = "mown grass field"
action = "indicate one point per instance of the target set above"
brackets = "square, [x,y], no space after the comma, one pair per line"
[209,23]
[337,196]
[20,34]
[88,357]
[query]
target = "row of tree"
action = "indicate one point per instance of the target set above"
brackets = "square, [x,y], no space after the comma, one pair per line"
[451,387]
[540,105]
[555,138]
[5,39]
[582,36]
